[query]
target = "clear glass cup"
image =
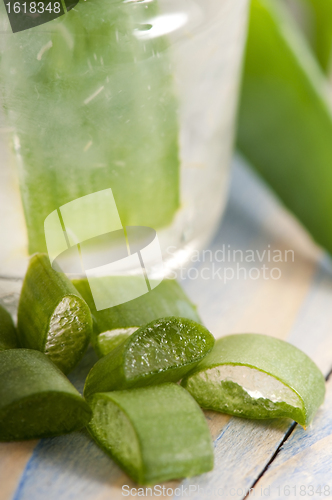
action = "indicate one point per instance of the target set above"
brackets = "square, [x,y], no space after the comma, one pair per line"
[138,96]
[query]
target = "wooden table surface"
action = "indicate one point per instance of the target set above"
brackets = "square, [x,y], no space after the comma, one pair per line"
[278,458]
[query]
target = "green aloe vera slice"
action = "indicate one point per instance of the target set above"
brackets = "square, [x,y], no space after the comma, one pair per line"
[93,107]
[8,335]
[285,120]
[36,399]
[114,325]
[161,351]
[154,433]
[256,376]
[52,316]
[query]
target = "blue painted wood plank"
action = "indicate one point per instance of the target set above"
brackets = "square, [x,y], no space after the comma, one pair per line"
[241,451]
[300,440]
[304,462]
[67,467]
[311,332]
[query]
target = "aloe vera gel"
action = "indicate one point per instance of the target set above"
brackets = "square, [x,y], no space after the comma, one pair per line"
[83,99]
[116,95]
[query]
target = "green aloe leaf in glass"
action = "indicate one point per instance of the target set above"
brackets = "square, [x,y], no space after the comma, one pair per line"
[92,106]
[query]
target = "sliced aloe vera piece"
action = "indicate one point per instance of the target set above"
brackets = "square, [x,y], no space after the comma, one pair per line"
[114,325]
[8,334]
[256,376]
[154,433]
[36,399]
[285,120]
[93,107]
[161,351]
[52,316]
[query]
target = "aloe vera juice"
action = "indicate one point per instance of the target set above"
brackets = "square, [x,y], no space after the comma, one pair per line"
[136,96]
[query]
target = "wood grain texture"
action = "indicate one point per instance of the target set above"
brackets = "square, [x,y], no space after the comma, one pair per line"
[305,460]
[295,307]
[244,304]
[13,460]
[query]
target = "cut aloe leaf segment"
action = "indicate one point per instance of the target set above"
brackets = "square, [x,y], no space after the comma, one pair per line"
[114,325]
[8,334]
[285,119]
[36,399]
[93,106]
[256,376]
[154,433]
[52,316]
[161,351]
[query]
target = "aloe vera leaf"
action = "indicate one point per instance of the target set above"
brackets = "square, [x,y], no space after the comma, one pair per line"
[52,316]
[36,399]
[321,36]
[154,433]
[285,123]
[256,376]
[8,335]
[114,325]
[93,107]
[314,18]
[161,351]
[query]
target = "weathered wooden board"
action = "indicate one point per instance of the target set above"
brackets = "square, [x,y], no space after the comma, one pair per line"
[296,307]
[303,466]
